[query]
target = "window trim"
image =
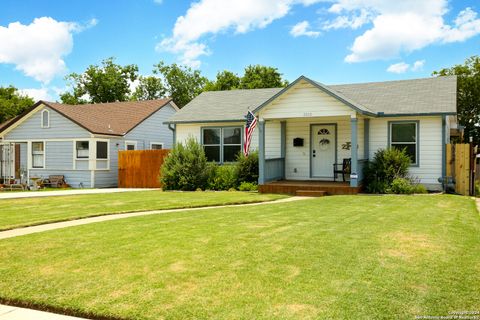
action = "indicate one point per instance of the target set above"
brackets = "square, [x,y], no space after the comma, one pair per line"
[42,123]
[221,145]
[44,154]
[75,150]
[130,142]
[158,143]
[417,140]
[107,141]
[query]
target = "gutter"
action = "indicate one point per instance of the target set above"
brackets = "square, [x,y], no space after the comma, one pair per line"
[173,128]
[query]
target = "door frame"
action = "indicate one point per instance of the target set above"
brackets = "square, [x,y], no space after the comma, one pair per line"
[311,148]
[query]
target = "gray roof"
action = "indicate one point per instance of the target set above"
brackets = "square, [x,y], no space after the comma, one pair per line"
[405,97]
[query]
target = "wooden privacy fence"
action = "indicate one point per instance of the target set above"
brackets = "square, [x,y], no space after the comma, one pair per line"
[140,168]
[460,166]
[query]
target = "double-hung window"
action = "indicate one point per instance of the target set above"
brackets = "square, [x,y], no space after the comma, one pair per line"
[82,149]
[102,150]
[404,136]
[38,155]
[222,144]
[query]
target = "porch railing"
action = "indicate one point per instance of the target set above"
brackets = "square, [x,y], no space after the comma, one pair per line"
[274,169]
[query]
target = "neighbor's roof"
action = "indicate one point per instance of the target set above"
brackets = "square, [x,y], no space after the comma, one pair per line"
[114,118]
[391,98]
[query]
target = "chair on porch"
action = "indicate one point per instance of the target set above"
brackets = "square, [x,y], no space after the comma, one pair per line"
[346,168]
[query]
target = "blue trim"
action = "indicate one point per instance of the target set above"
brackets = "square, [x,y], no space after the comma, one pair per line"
[417,141]
[283,143]
[354,151]
[444,147]
[366,138]
[311,144]
[261,152]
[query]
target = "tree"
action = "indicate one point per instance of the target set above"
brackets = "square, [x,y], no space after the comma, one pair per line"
[468,95]
[258,76]
[149,88]
[226,80]
[13,103]
[108,82]
[182,83]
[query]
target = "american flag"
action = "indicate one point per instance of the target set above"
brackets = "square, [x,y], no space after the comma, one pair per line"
[249,127]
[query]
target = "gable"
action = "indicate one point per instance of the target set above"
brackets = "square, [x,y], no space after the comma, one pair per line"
[303,99]
[29,127]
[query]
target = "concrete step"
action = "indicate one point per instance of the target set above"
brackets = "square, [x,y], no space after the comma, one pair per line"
[311,193]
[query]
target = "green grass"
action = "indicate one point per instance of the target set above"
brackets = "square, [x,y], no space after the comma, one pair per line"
[23,212]
[342,257]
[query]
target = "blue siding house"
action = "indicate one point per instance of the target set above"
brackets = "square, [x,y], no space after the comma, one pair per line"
[81,142]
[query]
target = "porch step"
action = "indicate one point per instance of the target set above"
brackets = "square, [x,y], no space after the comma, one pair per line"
[311,193]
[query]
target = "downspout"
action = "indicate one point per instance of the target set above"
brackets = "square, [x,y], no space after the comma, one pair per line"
[173,128]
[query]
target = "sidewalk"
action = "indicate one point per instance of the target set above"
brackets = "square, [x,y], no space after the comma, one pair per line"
[35,194]
[15,313]
[59,225]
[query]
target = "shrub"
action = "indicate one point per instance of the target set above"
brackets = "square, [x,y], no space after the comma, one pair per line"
[223,178]
[477,188]
[248,186]
[186,167]
[386,165]
[419,188]
[247,167]
[401,186]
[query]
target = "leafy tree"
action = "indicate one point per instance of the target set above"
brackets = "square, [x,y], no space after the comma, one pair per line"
[149,88]
[108,82]
[468,95]
[258,76]
[182,83]
[12,103]
[226,80]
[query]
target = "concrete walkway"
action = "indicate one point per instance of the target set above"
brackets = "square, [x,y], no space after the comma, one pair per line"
[69,192]
[59,225]
[15,313]
[478,204]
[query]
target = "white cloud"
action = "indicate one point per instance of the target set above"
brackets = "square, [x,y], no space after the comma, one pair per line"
[418,65]
[399,26]
[210,17]
[302,29]
[400,67]
[37,94]
[38,49]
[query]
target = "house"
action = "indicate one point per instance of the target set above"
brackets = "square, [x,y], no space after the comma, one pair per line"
[307,127]
[82,142]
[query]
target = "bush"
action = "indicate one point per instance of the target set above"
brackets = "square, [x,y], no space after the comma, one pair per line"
[477,188]
[419,188]
[247,168]
[401,186]
[386,166]
[223,178]
[248,186]
[186,167]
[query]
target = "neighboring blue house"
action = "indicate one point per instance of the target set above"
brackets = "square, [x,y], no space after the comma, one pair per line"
[82,142]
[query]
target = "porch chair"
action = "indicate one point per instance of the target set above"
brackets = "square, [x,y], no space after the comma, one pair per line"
[346,168]
[56,181]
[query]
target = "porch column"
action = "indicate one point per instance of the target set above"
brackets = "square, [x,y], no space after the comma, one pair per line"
[283,146]
[261,151]
[354,151]
[366,138]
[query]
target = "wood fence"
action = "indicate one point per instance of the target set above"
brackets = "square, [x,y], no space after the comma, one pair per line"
[140,168]
[460,166]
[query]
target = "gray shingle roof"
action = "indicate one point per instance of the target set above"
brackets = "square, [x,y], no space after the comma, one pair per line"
[404,97]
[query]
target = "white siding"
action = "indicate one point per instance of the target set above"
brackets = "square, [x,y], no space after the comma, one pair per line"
[305,100]
[430,159]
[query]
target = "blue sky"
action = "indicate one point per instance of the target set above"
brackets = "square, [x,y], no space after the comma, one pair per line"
[334,41]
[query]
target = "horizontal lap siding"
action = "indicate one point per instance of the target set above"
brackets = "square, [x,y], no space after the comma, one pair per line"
[59,155]
[60,128]
[430,160]
[109,178]
[72,177]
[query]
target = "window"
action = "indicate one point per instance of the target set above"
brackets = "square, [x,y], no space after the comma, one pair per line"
[130,145]
[82,148]
[156,146]
[45,119]
[403,135]
[102,150]
[38,154]
[222,144]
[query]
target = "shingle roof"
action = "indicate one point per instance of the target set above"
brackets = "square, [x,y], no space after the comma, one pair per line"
[404,97]
[114,118]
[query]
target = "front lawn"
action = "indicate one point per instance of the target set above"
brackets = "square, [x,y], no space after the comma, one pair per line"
[339,257]
[22,212]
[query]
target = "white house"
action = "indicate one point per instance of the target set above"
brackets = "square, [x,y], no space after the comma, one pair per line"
[81,142]
[307,127]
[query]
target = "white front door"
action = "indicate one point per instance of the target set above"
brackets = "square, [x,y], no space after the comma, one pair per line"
[322,150]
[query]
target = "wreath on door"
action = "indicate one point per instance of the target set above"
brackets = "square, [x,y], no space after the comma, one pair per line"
[324,144]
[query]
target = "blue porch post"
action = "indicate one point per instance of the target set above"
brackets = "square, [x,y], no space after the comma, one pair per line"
[366,138]
[354,151]
[283,146]
[261,152]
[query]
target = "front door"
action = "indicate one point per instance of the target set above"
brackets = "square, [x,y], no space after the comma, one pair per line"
[323,150]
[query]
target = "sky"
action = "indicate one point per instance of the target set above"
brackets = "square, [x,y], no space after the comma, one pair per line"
[331,41]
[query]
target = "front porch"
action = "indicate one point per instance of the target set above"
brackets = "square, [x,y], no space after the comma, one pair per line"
[308,188]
